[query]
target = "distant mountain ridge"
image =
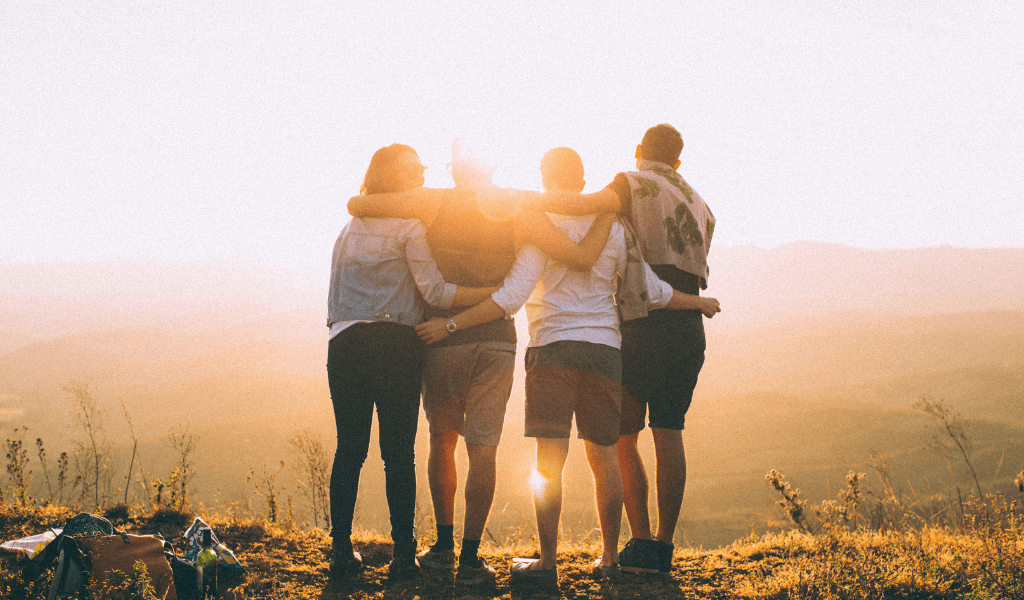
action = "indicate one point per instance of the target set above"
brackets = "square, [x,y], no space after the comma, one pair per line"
[52,299]
[813,365]
[755,285]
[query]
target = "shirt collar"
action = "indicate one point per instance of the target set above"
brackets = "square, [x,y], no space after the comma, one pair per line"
[653,165]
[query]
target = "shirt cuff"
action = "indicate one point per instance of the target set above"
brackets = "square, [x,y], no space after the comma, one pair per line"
[448,295]
[659,300]
[503,298]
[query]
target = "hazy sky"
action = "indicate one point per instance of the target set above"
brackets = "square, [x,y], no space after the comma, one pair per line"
[205,130]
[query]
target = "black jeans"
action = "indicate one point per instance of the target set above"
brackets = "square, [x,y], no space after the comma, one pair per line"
[378,364]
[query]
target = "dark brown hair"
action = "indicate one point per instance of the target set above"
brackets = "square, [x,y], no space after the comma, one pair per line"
[662,143]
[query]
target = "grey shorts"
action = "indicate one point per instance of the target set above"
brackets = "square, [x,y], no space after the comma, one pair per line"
[466,389]
[567,377]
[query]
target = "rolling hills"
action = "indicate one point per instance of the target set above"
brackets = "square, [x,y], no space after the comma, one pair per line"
[811,369]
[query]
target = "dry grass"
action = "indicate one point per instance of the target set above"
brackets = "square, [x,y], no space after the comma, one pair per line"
[283,562]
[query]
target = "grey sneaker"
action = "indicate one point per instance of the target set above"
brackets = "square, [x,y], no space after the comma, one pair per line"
[645,556]
[437,560]
[520,573]
[484,575]
[609,572]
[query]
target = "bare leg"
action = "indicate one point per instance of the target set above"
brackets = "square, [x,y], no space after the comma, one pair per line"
[671,459]
[608,489]
[479,489]
[634,486]
[547,498]
[443,476]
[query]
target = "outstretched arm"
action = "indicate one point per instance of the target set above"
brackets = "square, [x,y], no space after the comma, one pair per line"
[436,329]
[510,298]
[468,296]
[417,203]
[568,203]
[661,295]
[535,228]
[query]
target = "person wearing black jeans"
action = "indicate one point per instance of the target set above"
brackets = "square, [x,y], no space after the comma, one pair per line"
[376,365]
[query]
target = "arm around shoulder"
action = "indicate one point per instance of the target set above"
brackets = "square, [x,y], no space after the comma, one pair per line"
[417,203]
[536,228]
[568,203]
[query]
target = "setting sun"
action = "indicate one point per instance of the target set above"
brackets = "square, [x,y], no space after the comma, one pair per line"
[538,483]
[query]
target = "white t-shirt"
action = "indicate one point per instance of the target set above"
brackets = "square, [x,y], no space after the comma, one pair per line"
[565,304]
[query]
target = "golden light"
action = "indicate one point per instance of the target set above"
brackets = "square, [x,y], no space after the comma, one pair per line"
[480,152]
[537,482]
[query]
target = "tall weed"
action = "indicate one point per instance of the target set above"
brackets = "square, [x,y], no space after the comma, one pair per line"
[313,473]
[18,473]
[91,460]
[265,485]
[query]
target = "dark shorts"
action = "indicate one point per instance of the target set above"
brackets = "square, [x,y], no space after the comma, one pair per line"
[662,355]
[567,377]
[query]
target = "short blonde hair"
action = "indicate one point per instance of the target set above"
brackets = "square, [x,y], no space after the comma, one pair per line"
[561,169]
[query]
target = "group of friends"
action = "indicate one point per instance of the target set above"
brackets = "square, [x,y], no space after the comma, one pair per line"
[424,283]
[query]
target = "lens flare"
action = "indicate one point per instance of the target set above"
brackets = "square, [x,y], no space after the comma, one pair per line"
[538,482]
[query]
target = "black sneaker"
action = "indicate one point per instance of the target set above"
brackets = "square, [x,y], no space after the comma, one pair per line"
[643,556]
[401,568]
[344,564]
[665,564]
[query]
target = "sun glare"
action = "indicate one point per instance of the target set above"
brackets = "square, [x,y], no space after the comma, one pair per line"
[537,482]
[513,165]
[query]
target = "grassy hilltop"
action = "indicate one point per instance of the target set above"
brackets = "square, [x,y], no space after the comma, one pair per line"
[844,557]
[869,540]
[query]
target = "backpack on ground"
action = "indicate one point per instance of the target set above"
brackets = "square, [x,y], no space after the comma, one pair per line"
[100,556]
[89,550]
[67,576]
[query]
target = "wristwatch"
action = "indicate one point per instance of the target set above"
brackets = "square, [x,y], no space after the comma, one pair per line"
[451,326]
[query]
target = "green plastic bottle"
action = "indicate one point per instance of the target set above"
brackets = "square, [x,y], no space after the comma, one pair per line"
[206,565]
